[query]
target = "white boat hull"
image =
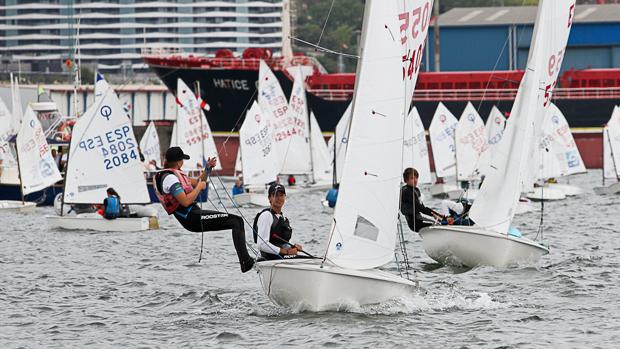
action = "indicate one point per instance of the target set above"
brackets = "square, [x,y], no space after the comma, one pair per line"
[302,284]
[608,190]
[17,206]
[444,190]
[545,193]
[524,206]
[474,246]
[94,221]
[251,199]
[569,190]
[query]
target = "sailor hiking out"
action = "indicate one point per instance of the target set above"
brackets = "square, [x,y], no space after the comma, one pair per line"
[272,230]
[178,193]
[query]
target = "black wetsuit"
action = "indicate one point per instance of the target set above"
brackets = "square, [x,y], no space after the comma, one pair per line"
[196,220]
[412,208]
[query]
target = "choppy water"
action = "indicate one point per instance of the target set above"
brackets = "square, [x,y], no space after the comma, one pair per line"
[76,289]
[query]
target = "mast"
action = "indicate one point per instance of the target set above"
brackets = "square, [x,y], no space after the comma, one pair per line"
[19,174]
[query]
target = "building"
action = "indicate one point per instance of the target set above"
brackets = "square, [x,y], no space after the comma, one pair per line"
[498,38]
[108,35]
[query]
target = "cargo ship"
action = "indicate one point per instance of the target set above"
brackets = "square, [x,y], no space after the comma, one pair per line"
[229,84]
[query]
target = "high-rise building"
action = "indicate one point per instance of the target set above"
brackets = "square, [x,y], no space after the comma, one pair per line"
[43,35]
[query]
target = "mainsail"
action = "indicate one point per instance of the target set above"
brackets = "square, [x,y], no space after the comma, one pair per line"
[611,146]
[193,132]
[257,148]
[415,147]
[37,167]
[470,142]
[366,213]
[103,154]
[494,130]
[441,132]
[321,159]
[559,153]
[149,144]
[495,204]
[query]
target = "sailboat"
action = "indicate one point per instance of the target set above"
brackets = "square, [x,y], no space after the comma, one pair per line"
[470,142]
[491,240]
[442,132]
[259,163]
[558,156]
[149,144]
[494,130]
[193,133]
[415,147]
[611,154]
[37,168]
[103,154]
[364,229]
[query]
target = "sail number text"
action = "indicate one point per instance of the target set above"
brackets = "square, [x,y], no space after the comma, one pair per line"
[116,146]
[415,23]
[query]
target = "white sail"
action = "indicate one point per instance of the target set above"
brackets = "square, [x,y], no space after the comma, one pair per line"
[6,133]
[104,153]
[321,159]
[101,86]
[470,141]
[611,146]
[174,136]
[260,165]
[366,213]
[292,133]
[496,202]
[149,144]
[415,147]
[16,101]
[238,164]
[37,167]
[494,130]
[339,140]
[560,155]
[441,132]
[272,101]
[193,131]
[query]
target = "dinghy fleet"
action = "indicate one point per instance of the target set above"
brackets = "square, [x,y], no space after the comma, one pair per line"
[497,167]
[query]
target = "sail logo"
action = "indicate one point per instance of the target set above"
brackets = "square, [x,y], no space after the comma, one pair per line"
[106,112]
[572,159]
[339,246]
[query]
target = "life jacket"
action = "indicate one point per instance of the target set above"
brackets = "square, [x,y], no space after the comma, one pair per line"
[112,208]
[281,231]
[168,201]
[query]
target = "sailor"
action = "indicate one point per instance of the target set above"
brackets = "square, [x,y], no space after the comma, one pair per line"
[291,180]
[177,193]
[111,204]
[272,231]
[238,187]
[332,196]
[410,204]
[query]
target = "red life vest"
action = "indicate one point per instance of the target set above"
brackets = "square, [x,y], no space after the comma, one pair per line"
[169,202]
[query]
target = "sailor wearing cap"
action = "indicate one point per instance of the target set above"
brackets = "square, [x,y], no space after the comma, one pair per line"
[177,193]
[272,231]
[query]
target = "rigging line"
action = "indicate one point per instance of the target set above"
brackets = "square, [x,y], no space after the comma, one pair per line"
[325,23]
[241,115]
[241,214]
[326,50]
[499,56]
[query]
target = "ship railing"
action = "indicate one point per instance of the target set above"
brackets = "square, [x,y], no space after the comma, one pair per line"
[333,95]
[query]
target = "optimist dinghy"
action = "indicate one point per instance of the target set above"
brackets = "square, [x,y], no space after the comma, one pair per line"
[363,235]
[103,153]
[491,241]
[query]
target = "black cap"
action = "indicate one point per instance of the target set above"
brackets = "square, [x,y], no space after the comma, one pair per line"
[176,154]
[276,188]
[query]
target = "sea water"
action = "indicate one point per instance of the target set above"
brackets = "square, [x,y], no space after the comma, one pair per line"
[147,289]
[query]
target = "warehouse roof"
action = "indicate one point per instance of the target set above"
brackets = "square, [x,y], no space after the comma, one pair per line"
[482,16]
